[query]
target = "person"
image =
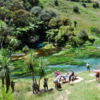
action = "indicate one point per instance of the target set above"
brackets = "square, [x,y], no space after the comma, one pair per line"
[35,88]
[45,85]
[88,67]
[12,86]
[57,82]
[97,76]
[71,76]
[57,73]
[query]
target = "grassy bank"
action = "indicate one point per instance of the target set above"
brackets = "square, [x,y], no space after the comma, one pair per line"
[87,89]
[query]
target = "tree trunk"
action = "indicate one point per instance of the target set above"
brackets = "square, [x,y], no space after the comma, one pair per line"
[2,81]
[7,80]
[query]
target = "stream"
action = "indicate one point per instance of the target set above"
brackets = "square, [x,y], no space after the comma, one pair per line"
[94,63]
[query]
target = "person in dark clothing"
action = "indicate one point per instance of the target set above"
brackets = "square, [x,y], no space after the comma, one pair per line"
[71,76]
[45,85]
[12,86]
[35,88]
[59,85]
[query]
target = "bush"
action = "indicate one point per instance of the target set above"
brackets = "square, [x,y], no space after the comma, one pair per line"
[89,1]
[36,10]
[22,18]
[2,25]
[46,15]
[95,31]
[25,49]
[5,13]
[83,35]
[56,22]
[13,42]
[2,3]
[56,3]
[30,3]
[76,9]
[15,4]
[84,5]
[48,46]
[96,5]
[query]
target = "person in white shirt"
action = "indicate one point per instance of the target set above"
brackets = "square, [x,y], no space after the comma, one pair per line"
[88,67]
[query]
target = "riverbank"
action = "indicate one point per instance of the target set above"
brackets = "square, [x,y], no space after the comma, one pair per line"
[67,56]
[87,89]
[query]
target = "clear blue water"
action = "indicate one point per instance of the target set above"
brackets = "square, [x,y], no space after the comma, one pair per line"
[94,62]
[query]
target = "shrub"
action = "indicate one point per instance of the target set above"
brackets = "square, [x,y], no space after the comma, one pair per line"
[22,17]
[1,4]
[96,5]
[13,43]
[75,41]
[56,3]
[15,4]
[5,13]
[59,21]
[25,49]
[46,15]
[83,35]
[30,3]
[76,9]
[33,2]
[84,5]
[89,1]
[36,10]
[95,31]
[2,25]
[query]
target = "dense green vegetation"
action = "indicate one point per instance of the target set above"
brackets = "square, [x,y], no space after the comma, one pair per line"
[44,21]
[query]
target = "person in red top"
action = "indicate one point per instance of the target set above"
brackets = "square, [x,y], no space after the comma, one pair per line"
[57,73]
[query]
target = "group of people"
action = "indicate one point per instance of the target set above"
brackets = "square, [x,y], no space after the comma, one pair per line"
[35,86]
[63,78]
[60,79]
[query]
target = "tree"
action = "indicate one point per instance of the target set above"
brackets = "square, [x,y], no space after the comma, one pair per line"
[22,18]
[5,69]
[36,68]
[42,64]
[14,5]
[3,28]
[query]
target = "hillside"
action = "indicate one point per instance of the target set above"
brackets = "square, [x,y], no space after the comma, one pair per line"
[42,22]
[88,17]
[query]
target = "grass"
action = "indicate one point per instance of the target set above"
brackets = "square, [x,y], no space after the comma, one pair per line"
[83,90]
[87,18]
[4,95]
